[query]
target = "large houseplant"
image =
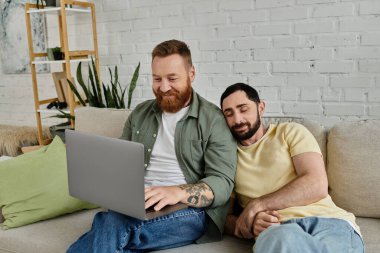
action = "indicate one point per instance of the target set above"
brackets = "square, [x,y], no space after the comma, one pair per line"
[100,96]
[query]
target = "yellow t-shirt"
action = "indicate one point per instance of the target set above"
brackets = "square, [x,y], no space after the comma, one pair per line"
[267,166]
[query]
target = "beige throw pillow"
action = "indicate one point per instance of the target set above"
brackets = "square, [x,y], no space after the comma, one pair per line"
[354,167]
[101,121]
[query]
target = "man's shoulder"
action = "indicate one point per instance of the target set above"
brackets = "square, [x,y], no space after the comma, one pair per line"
[293,130]
[290,126]
[144,106]
[207,107]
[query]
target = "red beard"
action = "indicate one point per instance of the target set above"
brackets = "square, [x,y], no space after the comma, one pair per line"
[173,100]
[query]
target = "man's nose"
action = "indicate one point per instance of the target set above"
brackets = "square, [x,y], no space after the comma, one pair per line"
[164,87]
[238,119]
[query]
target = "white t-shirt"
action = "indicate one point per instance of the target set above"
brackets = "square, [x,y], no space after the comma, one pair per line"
[164,169]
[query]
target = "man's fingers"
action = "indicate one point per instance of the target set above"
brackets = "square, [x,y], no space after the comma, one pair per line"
[243,231]
[161,204]
[270,219]
[152,199]
[149,192]
[267,216]
[264,220]
[274,213]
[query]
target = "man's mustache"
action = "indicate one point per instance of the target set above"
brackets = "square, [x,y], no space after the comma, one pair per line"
[241,125]
[167,93]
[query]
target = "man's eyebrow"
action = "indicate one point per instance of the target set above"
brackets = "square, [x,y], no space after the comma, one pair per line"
[240,105]
[169,75]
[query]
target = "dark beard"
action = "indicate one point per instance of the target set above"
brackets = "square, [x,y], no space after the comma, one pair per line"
[175,103]
[252,129]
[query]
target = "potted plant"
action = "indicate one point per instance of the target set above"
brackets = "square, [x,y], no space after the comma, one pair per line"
[60,128]
[52,3]
[54,54]
[109,97]
[113,94]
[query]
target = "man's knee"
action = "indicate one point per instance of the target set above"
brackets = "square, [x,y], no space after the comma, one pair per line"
[278,236]
[113,219]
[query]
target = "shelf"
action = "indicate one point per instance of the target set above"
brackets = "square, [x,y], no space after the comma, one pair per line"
[52,111]
[68,7]
[60,61]
[55,111]
[55,10]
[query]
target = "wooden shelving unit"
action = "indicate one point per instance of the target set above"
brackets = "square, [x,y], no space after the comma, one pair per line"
[76,7]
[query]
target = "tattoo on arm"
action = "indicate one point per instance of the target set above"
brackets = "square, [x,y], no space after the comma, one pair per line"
[199,194]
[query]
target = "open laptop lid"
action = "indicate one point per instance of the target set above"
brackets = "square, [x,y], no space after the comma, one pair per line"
[106,171]
[109,172]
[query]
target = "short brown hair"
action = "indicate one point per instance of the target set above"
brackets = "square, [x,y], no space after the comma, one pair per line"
[171,47]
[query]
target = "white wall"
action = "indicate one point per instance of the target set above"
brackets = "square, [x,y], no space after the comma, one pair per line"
[318,59]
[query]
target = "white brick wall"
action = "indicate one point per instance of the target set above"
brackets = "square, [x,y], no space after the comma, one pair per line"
[311,58]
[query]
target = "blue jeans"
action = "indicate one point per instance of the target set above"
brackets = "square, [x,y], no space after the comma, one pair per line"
[310,235]
[113,232]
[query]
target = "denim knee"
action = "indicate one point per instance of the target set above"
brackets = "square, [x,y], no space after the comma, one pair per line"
[280,238]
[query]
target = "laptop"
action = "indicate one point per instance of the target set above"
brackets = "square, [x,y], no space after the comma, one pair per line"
[110,173]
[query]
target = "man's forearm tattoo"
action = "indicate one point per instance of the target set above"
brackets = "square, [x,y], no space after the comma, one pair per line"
[198,194]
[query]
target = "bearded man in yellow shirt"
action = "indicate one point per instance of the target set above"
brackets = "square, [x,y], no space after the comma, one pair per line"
[281,184]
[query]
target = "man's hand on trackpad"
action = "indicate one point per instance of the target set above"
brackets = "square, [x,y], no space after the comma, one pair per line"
[157,197]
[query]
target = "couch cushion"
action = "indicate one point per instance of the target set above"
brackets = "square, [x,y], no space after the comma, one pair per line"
[370,229]
[229,244]
[56,235]
[33,186]
[48,236]
[101,121]
[354,167]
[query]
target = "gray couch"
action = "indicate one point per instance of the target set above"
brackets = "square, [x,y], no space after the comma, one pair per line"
[352,155]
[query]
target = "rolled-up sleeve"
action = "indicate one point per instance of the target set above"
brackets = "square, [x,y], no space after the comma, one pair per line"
[220,158]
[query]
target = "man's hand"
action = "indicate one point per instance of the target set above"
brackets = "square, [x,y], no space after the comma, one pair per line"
[245,222]
[196,195]
[264,220]
[160,196]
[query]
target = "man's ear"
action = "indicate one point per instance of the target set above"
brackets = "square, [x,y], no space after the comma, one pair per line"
[192,73]
[261,107]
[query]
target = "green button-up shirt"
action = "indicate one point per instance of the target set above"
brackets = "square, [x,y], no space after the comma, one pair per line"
[205,149]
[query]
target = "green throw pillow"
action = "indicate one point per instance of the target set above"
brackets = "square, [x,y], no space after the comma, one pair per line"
[34,187]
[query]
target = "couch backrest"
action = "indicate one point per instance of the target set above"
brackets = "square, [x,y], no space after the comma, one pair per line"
[110,122]
[353,164]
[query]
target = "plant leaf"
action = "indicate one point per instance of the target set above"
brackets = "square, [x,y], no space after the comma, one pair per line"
[94,101]
[98,87]
[75,91]
[132,85]
[63,115]
[80,80]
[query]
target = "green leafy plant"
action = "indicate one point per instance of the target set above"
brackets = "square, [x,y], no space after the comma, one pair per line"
[57,52]
[54,53]
[113,94]
[63,115]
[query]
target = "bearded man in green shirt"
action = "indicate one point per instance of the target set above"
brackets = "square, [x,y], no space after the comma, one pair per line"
[190,158]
